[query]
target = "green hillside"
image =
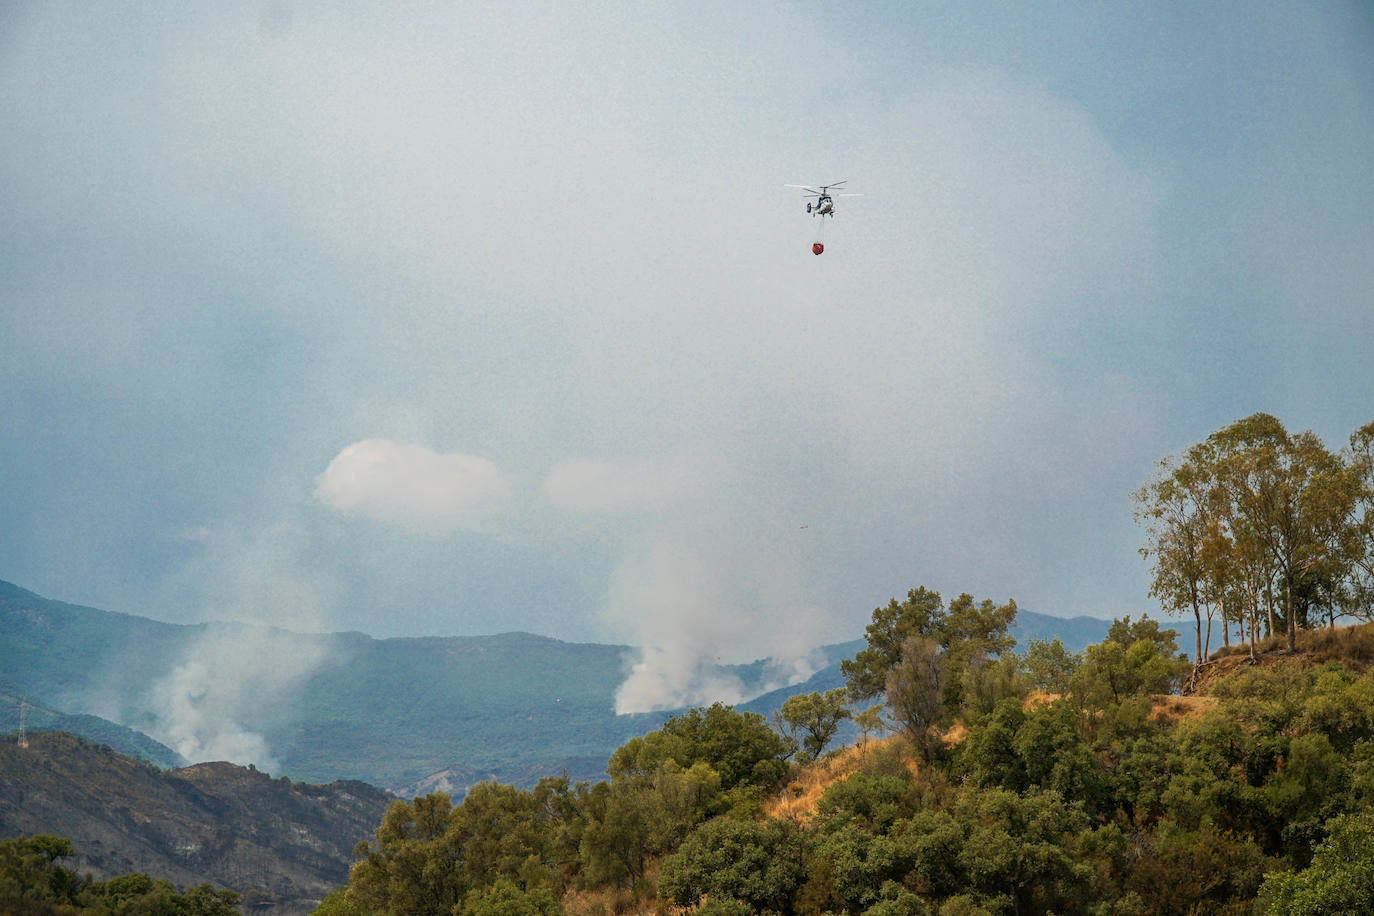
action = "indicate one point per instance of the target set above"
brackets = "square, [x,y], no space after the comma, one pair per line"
[1010,786]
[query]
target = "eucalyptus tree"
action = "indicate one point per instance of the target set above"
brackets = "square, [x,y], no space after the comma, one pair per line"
[1298,497]
[1251,511]
[1357,598]
[1178,508]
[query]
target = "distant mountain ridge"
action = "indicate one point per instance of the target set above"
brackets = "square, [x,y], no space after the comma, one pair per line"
[405,713]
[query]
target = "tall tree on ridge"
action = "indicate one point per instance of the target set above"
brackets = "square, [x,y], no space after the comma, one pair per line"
[1176,508]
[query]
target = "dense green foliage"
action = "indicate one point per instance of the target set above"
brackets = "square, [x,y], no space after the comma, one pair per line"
[964,633]
[1081,800]
[32,883]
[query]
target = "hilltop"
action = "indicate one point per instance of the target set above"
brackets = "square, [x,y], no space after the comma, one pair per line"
[282,845]
[1351,646]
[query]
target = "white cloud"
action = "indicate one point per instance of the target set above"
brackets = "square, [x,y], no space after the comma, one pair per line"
[413,487]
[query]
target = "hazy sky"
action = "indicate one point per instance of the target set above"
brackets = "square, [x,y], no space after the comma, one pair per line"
[464,318]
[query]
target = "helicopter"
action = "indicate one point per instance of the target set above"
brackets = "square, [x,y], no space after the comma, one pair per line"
[825,204]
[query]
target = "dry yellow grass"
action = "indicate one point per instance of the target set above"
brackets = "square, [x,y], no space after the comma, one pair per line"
[619,901]
[1168,709]
[798,798]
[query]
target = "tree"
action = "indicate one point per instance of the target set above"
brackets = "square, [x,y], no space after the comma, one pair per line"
[637,817]
[986,683]
[856,862]
[758,863]
[875,801]
[1357,598]
[1047,665]
[870,722]
[505,898]
[1176,509]
[618,841]
[1016,855]
[738,745]
[1340,878]
[914,688]
[398,873]
[816,717]
[921,615]
[31,882]
[971,627]
[989,753]
[1194,871]
[1296,498]
[498,832]
[968,631]
[1136,659]
[1255,513]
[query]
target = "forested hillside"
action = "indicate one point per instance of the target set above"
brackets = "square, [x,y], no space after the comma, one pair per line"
[1038,781]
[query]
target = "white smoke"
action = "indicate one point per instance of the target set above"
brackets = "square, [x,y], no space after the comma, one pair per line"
[700,599]
[616,488]
[218,696]
[205,707]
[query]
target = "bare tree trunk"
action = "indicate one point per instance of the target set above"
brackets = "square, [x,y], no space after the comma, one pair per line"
[1197,615]
[1207,643]
[1292,615]
[1226,627]
[1254,619]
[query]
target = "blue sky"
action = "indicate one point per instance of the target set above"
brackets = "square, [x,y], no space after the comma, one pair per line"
[469,318]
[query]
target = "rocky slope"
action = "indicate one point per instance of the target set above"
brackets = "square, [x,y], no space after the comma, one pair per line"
[282,845]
